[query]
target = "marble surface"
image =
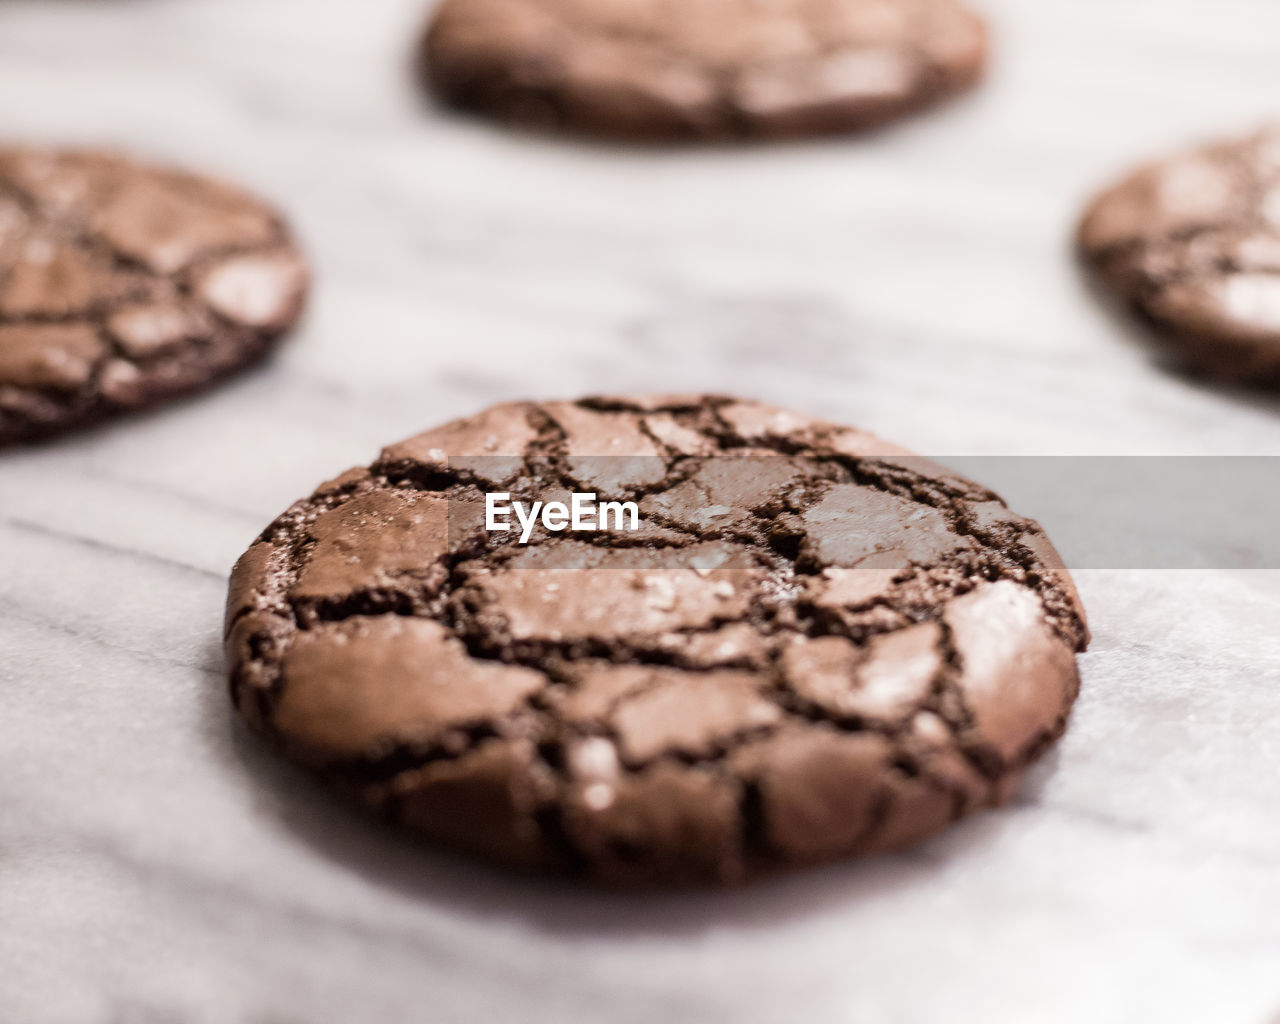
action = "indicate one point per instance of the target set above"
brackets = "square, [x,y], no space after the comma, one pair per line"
[157,866]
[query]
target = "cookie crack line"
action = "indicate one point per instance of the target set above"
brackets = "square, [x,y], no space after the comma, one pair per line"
[870,647]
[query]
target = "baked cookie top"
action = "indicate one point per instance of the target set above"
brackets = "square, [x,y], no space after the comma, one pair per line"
[716,68]
[123,284]
[1193,243]
[812,644]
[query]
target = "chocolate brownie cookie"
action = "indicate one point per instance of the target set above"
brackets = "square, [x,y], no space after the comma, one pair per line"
[715,68]
[1193,243]
[810,644]
[122,284]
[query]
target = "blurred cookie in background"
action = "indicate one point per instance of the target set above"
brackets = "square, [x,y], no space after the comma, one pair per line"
[1193,244]
[671,69]
[123,284]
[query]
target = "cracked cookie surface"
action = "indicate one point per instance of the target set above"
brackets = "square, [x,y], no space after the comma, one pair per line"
[1193,243]
[712,69]
[815,645]
[122,285]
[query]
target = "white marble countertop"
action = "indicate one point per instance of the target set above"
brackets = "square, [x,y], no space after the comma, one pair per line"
[157,865]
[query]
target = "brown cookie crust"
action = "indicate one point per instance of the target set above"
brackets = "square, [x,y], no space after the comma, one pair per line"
[816,646]
[1193,244]
[122,285]
[669,69]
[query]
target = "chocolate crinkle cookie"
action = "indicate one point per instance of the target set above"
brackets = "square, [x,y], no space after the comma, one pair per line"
[672,69]
[1193,243]
[805,644]
[122,285]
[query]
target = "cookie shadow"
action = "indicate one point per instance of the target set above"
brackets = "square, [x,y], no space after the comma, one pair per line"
[418,871]
[549,139]
[1147,338]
